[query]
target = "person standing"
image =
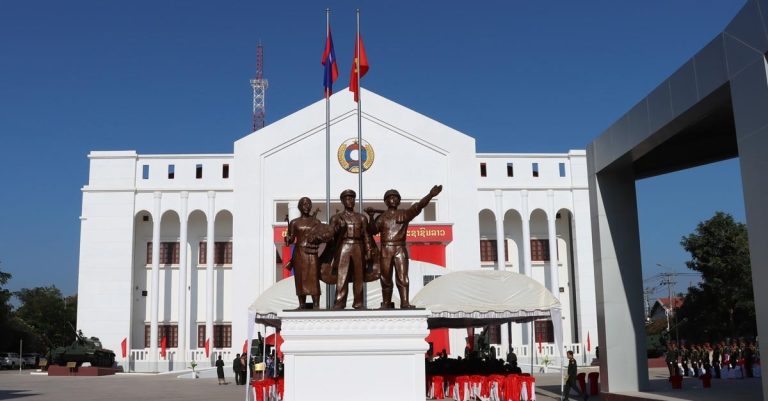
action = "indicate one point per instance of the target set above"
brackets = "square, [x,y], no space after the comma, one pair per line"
[717,354]
[570,382]
[671,359]
[244,368]
[220,370]
[237,368]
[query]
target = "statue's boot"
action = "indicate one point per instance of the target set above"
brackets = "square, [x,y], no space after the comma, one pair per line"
[404,300]
[386,299]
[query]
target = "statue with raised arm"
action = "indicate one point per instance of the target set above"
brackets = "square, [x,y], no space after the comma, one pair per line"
[353,250]
[392,224]
[306,269]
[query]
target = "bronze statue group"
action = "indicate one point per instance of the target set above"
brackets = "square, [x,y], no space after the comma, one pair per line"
[350,253]
[726,359]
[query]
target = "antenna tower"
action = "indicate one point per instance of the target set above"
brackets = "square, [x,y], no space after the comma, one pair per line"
[259,85]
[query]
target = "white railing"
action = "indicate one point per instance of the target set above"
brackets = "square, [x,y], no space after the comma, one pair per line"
[139,360]
[548,352]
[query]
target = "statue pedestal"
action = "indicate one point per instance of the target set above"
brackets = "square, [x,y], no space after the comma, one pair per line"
[354,355]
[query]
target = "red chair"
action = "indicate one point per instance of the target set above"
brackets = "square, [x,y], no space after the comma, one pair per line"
[497,385]
[513,386]
[436,388]
[260,389]
[582,379]
[528,388]
[594,384]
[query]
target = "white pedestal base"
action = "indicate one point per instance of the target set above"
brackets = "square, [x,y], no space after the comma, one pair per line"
[354,355]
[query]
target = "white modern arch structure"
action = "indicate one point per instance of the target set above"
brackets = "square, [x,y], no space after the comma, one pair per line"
[712,108]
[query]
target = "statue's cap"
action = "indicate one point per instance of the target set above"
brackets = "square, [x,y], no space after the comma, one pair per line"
[391,192]
[347,192]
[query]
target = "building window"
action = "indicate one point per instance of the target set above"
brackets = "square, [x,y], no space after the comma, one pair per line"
[494,334]
[535,167]
[539,250]
[169,253]
[488,250]
[510,170]
[225,171]
[222,253]
[199,171]
[222,336]
[145,172]
[483,171]
[544,331]
[171,171]
[169,331]
[428,278]
[561,166]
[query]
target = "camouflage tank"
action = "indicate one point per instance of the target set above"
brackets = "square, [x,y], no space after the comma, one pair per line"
[82,350]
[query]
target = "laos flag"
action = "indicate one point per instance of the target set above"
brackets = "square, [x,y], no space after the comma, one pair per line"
[329,62]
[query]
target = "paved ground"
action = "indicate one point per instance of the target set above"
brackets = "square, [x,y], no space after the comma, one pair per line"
[130,387]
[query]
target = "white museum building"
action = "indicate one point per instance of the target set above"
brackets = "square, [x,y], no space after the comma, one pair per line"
[175,248]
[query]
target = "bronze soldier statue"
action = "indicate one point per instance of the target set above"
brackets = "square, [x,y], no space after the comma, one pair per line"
[306,269]
[393,226]
[353,249]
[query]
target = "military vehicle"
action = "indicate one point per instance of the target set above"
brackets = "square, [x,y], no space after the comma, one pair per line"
[82,350]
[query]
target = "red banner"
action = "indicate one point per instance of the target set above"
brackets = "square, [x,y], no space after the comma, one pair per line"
[416,233]
[124,347]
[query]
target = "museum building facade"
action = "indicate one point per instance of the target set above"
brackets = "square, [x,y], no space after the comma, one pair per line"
[175,248]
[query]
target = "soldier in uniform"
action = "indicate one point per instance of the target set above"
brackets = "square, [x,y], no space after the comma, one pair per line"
[671,359]
[353,248]
[570,382]
[717,354]
[685,356]
[393,226]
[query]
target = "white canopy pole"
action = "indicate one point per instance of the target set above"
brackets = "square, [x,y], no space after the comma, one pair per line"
[251,323]
[557,323]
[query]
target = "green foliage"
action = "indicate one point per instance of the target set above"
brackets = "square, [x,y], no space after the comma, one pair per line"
[6,336]
[722,305]
[45,315]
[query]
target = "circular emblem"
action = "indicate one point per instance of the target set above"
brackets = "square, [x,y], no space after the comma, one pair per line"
[350,154]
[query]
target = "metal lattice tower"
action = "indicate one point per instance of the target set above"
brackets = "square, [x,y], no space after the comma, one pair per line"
[259,85]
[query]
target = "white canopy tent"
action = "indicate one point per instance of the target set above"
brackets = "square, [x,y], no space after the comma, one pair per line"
[474,298]
[470,298]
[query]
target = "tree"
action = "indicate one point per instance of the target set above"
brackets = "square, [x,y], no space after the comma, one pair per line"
[45,316]
[6,336]
[722,305]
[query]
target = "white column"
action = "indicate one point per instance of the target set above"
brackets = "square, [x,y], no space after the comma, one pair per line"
[182,330]
[155,292]
[499,230]
[553,271]
[526,221]
[209,268]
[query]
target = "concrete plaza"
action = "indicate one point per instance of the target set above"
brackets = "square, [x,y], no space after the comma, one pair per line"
[30,387]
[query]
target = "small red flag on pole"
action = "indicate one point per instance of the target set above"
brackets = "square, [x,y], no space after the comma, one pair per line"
[245,347]
[124,347]
[589,343]
[362,61]
[207,347]
[163,345]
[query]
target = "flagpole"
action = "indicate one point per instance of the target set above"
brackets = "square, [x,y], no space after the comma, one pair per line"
[359,120]
[329,288]
[360,161]
[328,133]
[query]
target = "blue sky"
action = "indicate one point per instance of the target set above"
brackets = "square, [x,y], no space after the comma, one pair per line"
[173,77]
